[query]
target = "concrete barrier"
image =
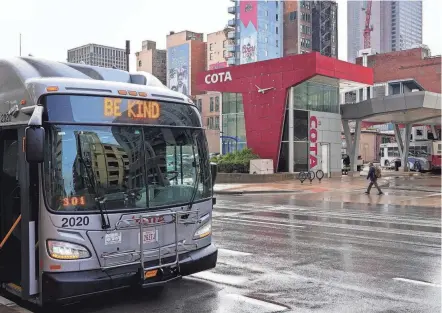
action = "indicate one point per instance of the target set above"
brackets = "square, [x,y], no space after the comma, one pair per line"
[241,178]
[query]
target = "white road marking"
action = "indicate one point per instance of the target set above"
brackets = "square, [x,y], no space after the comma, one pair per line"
[233,252]
[225,219]
[334,225]
[417,282]
[221,278]
[266,305]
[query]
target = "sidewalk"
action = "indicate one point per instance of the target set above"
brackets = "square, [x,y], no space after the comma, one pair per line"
[344,183]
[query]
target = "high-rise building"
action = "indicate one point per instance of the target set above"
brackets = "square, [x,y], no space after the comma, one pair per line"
[265,30]
[152,60]
[257,30]
[98,55]
[186,56]
[383,26]
[325,28]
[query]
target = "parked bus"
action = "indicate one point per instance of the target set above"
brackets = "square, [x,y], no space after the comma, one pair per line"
[419,152]
[436,155]
[105,182]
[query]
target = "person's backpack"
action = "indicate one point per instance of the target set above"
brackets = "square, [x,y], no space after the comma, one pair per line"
[378,172]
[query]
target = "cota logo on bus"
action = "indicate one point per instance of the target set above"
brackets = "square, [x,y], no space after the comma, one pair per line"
[218,78]
[149,220]
[313,138]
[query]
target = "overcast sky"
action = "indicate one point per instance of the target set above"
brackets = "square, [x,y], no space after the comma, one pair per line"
[50,27]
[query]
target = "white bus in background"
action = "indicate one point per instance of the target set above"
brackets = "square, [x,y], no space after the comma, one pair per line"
[419,151]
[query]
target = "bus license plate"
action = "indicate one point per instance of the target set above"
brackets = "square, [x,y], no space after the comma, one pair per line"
[150,274]
[149,236]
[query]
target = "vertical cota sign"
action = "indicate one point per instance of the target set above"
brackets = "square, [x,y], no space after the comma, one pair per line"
[313,138]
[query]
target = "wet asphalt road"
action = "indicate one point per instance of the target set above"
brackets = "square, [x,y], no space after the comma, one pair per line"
[282,254]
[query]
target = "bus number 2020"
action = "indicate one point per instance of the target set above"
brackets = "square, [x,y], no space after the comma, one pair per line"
[75,221]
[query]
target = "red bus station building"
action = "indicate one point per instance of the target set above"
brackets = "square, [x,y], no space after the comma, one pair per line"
[286,109]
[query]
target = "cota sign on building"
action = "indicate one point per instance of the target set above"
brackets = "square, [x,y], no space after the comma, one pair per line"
[313,138]
[218,78]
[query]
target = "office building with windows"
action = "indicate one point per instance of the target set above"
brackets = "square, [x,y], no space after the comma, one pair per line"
[264,30]
[393,25]
[152,60]
[98,55]
[209,105]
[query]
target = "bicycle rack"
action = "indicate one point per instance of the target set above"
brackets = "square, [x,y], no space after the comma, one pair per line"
[311,176]
[302,176]
[319,173]
[142,222]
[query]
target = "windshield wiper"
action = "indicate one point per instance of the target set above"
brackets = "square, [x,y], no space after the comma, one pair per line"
[99,201]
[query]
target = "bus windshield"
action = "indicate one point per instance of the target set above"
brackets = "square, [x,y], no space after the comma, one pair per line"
[127,167]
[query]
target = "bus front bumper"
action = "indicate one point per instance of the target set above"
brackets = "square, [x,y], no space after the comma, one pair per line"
[70,286]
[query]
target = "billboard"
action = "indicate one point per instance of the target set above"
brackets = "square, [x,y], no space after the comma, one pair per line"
[249,50]
[248,40]
[178,75]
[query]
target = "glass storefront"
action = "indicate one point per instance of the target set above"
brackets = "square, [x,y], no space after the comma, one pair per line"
[233,123]
[317,94]
[300,132]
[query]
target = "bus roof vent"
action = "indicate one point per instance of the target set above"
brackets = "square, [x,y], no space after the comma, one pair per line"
[146,79]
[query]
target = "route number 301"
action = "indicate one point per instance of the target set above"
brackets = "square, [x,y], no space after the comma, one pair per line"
[75,221]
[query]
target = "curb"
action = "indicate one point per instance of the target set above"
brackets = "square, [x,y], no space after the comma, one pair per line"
[8,306]
[414,189]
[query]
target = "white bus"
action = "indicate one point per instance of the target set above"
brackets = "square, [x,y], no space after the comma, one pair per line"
[419,152]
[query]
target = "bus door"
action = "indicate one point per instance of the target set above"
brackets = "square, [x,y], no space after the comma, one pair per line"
[17,264]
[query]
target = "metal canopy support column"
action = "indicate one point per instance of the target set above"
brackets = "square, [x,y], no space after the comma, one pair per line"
[355,147]
[397,134]
[291,127]
[406,147]
[347,135]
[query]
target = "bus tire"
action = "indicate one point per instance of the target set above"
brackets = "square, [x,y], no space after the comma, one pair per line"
[387,163]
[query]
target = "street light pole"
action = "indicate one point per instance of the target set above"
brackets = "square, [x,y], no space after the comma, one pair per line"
[127,54]
[20,44]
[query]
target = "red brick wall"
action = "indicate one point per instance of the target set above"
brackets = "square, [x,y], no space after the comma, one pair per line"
[290,29]
[198,63]
[406,64]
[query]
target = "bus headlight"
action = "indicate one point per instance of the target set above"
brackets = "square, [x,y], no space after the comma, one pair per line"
[61,250]
[203,231]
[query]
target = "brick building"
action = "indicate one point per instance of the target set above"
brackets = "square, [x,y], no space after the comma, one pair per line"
[414,64]
[397,73]
[186,56]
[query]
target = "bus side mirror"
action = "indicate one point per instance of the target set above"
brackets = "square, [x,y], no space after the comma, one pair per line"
[34,144]
[214,172]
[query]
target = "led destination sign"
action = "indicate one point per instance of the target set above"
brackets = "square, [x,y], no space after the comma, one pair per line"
[93,109]
[135,109]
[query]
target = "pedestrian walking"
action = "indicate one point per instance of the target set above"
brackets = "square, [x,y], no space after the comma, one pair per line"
[373,175]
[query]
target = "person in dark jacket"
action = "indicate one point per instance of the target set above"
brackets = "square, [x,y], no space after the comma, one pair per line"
[373,179]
